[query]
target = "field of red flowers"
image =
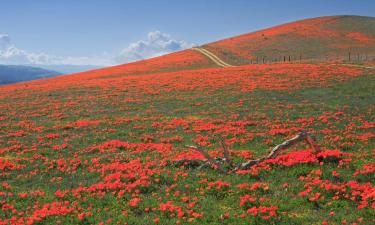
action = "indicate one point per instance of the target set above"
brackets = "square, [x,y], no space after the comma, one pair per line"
[107,147]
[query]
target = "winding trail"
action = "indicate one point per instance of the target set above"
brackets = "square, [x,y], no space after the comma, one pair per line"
[221,63]
[359,66]
[212,56]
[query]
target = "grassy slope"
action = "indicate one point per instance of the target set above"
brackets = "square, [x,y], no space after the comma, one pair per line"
[127,111]
[54,143]
[182,60]
[318,38]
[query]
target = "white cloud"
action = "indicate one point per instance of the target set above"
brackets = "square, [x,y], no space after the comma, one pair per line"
[10,54]
[156,44]
[4,42]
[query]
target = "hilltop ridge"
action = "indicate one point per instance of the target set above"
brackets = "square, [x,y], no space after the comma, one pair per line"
[328,38]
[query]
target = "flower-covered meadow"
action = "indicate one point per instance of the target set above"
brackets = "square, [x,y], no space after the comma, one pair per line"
[107,147]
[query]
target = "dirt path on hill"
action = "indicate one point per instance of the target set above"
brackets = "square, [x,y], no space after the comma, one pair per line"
[212,56]
[359,66]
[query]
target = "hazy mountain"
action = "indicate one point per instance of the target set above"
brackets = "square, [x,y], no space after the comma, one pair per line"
[66,69]
[16,73]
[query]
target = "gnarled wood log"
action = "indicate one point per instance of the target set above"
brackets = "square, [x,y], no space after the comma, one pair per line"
[303,136]
[278,148]
[211,160]
[226,154]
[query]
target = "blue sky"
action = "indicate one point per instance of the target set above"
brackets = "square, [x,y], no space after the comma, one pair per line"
[91,30]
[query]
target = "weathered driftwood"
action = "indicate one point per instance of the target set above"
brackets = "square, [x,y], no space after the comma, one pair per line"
[226,153]
[278,148]
[211,160]
[303,136]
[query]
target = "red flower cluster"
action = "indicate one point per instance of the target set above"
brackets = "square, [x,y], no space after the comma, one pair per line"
[266,212]
[352,190]
[218,185]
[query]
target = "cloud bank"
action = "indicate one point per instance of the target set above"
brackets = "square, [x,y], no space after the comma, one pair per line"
[156,44]
[10,54]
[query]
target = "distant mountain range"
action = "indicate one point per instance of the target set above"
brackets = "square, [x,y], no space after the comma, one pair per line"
[16,73]
[66,69]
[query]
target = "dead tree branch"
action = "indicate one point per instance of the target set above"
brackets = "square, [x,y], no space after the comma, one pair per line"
[226,153]
[211,160]
[303,136]
[278,148]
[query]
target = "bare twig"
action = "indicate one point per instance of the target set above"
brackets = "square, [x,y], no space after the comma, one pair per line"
[208,157]
[312,142]
[286,144]
[226,153]
[276,150]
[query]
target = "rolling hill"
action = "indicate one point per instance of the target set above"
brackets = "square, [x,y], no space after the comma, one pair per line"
[123,145]
[323,39]
[320,39]
[16,73]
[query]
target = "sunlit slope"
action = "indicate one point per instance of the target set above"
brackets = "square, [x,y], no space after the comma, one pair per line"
[325,39]
[182,60]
